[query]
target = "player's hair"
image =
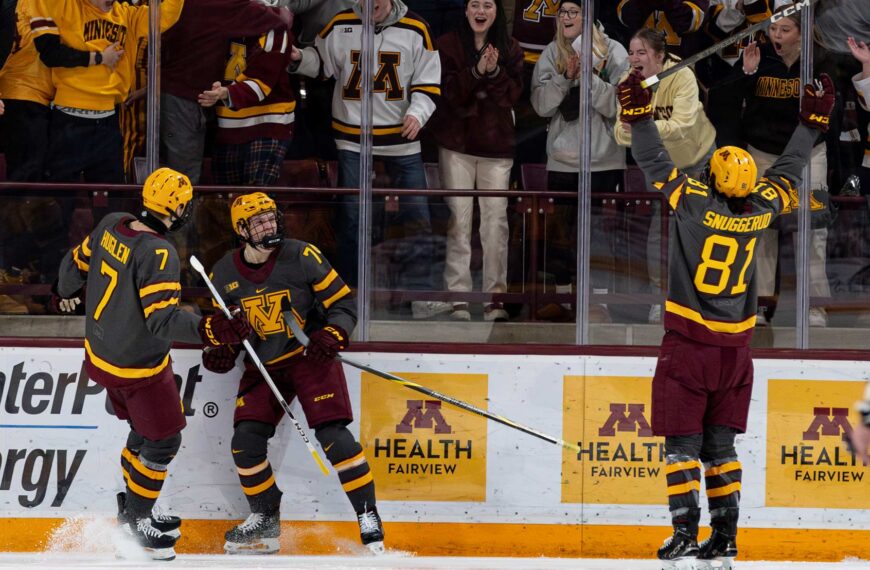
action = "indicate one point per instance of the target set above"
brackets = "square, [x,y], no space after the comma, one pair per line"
[656,40]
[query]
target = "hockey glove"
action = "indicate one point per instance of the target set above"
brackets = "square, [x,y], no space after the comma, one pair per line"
[324,344]
[818,102]
[634,100]
[219,359]
[217,329]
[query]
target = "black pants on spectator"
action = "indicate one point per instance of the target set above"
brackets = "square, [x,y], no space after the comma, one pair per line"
[80,147]
[24,136]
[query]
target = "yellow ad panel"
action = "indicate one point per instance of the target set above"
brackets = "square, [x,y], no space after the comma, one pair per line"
[620,462]
[419,448]
[808,464]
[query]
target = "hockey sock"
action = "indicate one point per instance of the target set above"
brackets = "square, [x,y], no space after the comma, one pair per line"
[684,484]
[145,472]
[255,472]
[346,456]
[723,481]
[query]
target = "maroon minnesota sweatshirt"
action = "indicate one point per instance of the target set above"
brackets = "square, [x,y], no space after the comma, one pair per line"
[194,51]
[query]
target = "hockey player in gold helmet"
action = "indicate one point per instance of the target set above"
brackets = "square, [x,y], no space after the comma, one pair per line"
[167,194]
[250,208]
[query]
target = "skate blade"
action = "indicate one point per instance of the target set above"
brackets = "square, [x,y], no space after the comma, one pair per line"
[376,548]
[679,564]
[162,554]
[262,546]
[720,563]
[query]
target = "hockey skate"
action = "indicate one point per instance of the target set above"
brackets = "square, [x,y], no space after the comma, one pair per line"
[167,524]
[257,535]
[717,552]
[679,551]
[158,545]
[371,531]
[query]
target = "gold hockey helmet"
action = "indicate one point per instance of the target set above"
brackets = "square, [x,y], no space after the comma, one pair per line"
[733,171]
[164,191]
[248,206]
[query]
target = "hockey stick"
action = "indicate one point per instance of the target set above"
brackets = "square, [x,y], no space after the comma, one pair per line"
[692,60]
[303,339]
[256,360]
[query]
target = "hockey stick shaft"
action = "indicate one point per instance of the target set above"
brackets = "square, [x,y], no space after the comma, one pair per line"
[692,60]
[303,339]
[195,263]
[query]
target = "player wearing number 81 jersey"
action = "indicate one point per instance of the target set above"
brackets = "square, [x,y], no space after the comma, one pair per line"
[703,379]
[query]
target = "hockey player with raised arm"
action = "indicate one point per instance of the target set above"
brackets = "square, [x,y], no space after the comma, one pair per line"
[703,380]
[266,277]
[131,271]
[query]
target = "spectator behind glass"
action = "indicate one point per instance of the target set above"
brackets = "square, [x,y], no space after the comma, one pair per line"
[679,117]
[835,22]
[481,81]
[312,131]
[679,20]
[84,42]
[861,81]
[193,54]
[405,87]
[255,111]
[556,94]
[32,232]
[766,84]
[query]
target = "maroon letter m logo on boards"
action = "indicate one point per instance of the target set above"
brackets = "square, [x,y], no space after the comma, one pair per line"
[830,421]
[626,417]
[416,416]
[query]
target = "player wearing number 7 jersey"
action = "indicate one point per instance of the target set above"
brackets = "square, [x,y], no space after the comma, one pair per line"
[132,275]
[703,379]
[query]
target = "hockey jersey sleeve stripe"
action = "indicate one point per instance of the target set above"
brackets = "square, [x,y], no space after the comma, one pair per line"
[258,87]
[326,282]
[139,489]
[124,372]
[40,25]
[79,261]
[86,246]
[290,354]
[715,326]
[257,489]
[140,467]
[344,291]
[357,483]
[355,130]
[723,491]
[419,27]
[270,109]
[159,305]
[346,17]
[432,89]
[697,16]
[158,287]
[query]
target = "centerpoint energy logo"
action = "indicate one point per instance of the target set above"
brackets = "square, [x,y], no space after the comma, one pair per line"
[808,464]
[424,450]
[608,417]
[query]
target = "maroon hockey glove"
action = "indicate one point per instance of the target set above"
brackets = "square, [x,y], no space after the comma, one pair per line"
[219,359]
[217,329]
[818,102]
[634,100]
[324,344]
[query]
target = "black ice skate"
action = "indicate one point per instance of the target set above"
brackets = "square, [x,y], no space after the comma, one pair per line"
[167,524]
[257,535]
[158,545]
[371,531]
[679,551]
[721,548]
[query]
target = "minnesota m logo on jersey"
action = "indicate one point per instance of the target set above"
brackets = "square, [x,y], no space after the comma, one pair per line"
[538,8]
[386,79]
[264,313]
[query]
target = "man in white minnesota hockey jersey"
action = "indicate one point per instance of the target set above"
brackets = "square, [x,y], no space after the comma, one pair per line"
[407,79]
